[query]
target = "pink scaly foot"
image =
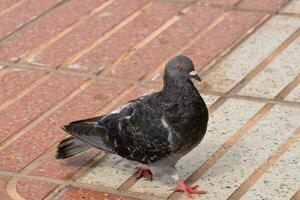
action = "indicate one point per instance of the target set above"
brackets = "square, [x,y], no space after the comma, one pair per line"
[181,186]
[142,172]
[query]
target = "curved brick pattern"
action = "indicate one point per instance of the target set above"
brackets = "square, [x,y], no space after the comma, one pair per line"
[281,181]
[49,25]
[34,142]
[270,5]
[34,189]
[110,49]
[277,75]
[25,12]
[249,54]
[250,152]
[166,44]
[294,95]
[87,32]
[6,4]
[228,119]
[220,37]
[3,192]
[292,7]
[95,96]
[15,80]
[79,194]
[37,101]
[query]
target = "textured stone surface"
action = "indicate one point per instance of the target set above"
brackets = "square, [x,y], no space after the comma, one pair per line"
[270,5]
[277,75]
[250,53]
[292,7]
[250,152]
[281,181]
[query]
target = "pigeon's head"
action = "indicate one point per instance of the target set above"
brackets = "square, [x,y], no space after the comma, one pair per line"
[181,68]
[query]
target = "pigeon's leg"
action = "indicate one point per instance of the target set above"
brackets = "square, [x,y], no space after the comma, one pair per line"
[144,172]
[181,186]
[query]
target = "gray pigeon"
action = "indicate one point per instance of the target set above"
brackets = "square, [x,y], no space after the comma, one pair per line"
[155,130]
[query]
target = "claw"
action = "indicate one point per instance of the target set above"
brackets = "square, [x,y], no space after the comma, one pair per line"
[142,172]
[181,186]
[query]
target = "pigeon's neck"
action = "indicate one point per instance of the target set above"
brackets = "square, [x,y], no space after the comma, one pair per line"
[174,87]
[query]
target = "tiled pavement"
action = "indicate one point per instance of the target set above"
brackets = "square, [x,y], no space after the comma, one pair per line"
[62,60]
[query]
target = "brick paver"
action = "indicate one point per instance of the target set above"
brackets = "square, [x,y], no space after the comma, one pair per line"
[63,60]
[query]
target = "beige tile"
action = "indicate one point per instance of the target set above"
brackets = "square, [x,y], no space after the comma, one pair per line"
[281,181]
[250,53]
[109,172]
[277,75]
[292,7]
[249,153]
[222,125]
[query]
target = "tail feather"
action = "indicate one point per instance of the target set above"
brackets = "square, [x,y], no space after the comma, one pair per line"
[85,134]
[70,147]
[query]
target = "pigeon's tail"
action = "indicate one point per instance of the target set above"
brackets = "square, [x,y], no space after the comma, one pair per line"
[86,134]
[70,147]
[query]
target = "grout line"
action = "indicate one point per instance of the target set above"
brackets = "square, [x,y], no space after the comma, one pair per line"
[32,20]
[5,10]
[188,44]
[252,179]
[33,52]
[24,92]
[106,35]
[296,195]
[235,138]
[261,66]
[144,83]
[149,38]
[231,48]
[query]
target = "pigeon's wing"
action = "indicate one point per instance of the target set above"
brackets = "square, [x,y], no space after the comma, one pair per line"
[143,134]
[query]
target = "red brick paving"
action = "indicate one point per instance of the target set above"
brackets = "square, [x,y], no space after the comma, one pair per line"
[34,189]
[166,44]
[39,100]
[15,80]
[33,143]
[269,5]
[51,24]
[80,194]
[40,140]
[88,32]
[109,50]
[22,14]
[6,4]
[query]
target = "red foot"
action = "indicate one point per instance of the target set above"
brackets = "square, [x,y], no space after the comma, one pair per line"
[142,172]
[181,186]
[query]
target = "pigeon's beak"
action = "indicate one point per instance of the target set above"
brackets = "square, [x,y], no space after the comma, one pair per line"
[194,75]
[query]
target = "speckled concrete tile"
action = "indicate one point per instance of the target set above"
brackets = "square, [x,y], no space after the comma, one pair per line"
[222,125]
[277,75]
[281,181]
[112,171]
[250,53]
[109,172]
[249,153]
[294,95]
[292,7]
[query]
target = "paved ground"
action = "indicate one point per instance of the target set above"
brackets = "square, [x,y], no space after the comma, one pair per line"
[63,60]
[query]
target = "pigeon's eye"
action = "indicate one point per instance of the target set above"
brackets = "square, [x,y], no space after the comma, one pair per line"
[180,68]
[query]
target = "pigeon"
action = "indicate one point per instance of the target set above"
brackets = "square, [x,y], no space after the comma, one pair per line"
[154,130]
